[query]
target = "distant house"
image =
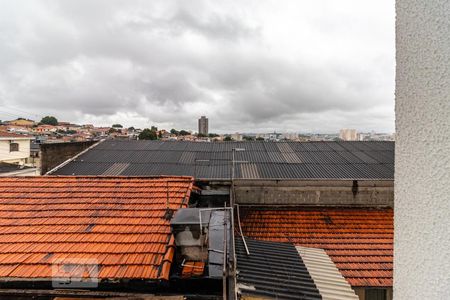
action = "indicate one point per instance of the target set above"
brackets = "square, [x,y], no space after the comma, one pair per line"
[20,122]
[45,129]
[17,129]
[14,148]
[100,131]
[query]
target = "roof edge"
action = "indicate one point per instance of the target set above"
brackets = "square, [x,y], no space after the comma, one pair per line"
[74,157]
[180,178]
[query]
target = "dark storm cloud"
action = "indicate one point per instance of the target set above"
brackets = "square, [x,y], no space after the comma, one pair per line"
[248,66]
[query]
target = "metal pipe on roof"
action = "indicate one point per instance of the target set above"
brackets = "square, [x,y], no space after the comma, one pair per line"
[233,249]
[224,269]
[240,230]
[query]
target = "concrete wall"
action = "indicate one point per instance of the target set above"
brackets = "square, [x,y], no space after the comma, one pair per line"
[53,155]
[422,154]
[16,156]
[315,192]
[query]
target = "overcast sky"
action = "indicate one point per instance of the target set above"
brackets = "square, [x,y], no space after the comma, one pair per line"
[249,66]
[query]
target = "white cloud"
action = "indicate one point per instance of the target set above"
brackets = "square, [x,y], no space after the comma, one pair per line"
[249,66]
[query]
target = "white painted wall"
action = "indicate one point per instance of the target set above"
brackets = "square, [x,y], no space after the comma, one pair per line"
[21,155]
[422,158]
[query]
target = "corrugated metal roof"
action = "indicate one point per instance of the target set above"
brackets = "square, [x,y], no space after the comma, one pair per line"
[273,270]
[116,169]
[267,160]
[358,240]
[328,279]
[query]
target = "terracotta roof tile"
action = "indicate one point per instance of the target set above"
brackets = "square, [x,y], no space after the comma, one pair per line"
[193,269]
[359,241]
[6,134]
[118,222]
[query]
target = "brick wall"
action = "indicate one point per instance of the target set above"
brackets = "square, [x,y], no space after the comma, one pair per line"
[53,155]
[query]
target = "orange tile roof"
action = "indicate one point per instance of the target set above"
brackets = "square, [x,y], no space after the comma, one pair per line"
[193,269]
[120,222]
[7,134]
[359,241]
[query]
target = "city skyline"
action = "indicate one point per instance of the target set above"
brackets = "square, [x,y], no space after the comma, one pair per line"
[196,131]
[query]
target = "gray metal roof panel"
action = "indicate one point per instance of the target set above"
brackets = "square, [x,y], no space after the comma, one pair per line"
[270,147]
[84,168]
[291,157]
[321,158]
[367,171]
[316,160]
[342,171]
[285,147]
[116,169]
[381,156]
[335,157]
[364,157]
[273,270]
[323,146]
[306,157]
[249,171]
[310,146]
[187,157]
[384,171]
[350,157]
[276,157]
[335,146]
[318,171]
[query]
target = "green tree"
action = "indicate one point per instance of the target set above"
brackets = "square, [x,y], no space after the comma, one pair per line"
[49,120]
[174,131]
[248,138]
[184,132]
[201,135]
[117,126]
[213,135]
[154,128]
[227,138]
[260,138]
[148,134]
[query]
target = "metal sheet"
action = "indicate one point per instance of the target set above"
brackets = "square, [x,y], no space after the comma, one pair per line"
[292,160]
[273,270]
[116,169]
[218,224]
[330,282]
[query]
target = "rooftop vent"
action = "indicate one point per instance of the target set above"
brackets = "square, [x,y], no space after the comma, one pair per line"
[200,235]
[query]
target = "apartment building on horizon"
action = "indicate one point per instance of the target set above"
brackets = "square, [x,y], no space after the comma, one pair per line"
[348,134]
[203,125]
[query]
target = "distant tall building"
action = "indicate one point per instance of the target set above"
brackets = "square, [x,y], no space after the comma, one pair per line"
[237,137]
[203,125]
[348,134]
